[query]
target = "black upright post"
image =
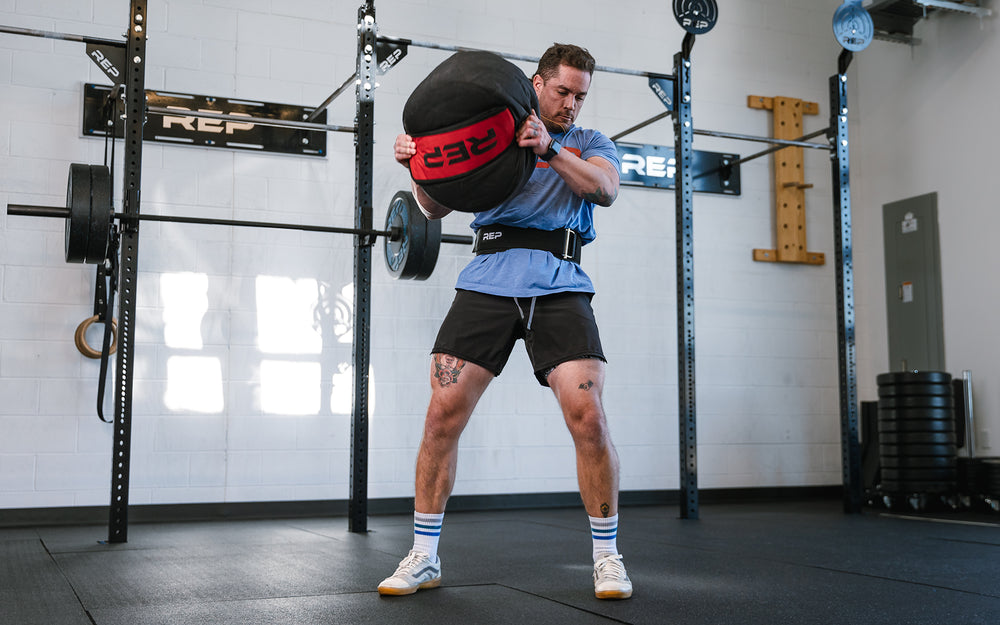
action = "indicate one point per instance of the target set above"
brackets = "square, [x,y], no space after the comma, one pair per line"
[847,357]
[684,195]
[135,113]
[364,151]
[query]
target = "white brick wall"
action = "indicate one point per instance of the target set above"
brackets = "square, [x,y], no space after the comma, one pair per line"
[919,142]
[238,398]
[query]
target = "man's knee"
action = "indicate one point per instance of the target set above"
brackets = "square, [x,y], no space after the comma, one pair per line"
[444,424]
[588,425]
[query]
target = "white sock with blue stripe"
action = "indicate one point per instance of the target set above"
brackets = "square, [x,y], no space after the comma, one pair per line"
[427,532]
[605,533]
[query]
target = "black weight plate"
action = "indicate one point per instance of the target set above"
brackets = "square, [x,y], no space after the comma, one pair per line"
[915,425]
[696,16]
[414,254]
[906,463]
[913,377]
[930,414]
[78,194]
[100,215]
[917,438]
[970,464]
[908,487]
[923,401]
[958,391]
[400,256]
[432,246]
[918,486]
[941,451]
[908,390]
[989,474]
[943,474]
[970,479]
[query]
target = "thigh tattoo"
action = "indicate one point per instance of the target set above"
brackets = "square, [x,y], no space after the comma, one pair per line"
[447,369]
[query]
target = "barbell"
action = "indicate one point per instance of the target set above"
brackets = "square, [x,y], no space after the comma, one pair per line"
[412,241]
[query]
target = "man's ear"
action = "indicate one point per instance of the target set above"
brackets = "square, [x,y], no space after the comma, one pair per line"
[537,82]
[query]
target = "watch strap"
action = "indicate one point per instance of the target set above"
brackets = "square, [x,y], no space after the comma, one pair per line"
[554,148]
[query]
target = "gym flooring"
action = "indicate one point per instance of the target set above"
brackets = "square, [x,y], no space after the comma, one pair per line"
[769,563]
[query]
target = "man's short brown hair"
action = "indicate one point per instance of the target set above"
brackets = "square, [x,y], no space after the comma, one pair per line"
[564,54]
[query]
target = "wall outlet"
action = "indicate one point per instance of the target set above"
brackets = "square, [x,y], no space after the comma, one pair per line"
[983,439]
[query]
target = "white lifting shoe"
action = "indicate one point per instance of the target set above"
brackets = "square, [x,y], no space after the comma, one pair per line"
[610,579]
[416,571]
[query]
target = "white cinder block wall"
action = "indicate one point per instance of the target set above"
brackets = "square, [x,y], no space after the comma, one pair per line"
[928,124]
[243,354]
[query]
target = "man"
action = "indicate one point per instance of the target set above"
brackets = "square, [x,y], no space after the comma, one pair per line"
[530,291]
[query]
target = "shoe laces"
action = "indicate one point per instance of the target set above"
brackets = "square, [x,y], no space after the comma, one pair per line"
[410,562]
[611,566]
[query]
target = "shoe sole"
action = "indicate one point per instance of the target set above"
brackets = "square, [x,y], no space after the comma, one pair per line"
[613,594]
[399,592]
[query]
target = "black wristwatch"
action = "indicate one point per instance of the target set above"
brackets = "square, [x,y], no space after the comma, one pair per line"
[554,148]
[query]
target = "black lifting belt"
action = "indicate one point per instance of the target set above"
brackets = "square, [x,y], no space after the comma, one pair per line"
[563,243]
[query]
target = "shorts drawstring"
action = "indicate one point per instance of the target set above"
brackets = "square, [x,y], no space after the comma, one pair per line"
[531,312]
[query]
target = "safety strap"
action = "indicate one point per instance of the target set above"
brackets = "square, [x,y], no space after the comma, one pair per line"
[563,243]
[110,272]
[112,289]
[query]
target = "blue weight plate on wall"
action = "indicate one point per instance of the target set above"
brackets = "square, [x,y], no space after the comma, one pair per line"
[853,26]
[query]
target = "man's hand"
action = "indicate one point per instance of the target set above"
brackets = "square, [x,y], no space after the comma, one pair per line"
[404,149]
[533,134]
[595,179]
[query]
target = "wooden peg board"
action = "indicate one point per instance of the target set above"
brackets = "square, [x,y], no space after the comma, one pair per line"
[789,182]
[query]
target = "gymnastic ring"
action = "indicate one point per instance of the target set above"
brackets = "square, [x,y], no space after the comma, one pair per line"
[80,338]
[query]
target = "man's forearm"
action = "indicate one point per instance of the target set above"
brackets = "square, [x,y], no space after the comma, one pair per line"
[430,208]
[595,179]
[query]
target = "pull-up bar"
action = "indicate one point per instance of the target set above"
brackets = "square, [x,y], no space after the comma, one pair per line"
[48,34]
[798,143]
[353,79]
[801,142]
[400,41]
[770,150]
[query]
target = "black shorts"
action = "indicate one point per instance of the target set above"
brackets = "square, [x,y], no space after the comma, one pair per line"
[557,328]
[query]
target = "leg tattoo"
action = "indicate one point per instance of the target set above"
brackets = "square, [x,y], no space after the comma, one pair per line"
[447,369]
[586,386]
[605,510]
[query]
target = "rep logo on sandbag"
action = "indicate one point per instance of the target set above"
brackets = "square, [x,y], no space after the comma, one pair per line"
[453,153]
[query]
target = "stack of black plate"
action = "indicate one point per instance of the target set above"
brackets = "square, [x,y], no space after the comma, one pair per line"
[971,477]
[916,431]
[979,481]
[989,471]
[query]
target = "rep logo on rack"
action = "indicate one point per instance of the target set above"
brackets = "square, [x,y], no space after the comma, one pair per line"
[204,124]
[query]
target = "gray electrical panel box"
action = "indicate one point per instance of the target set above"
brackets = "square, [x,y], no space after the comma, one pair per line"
[913,284]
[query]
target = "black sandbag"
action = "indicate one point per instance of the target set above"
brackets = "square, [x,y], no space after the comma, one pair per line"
[463,117]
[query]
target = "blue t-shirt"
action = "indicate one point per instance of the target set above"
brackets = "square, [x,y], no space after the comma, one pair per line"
[547,203]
